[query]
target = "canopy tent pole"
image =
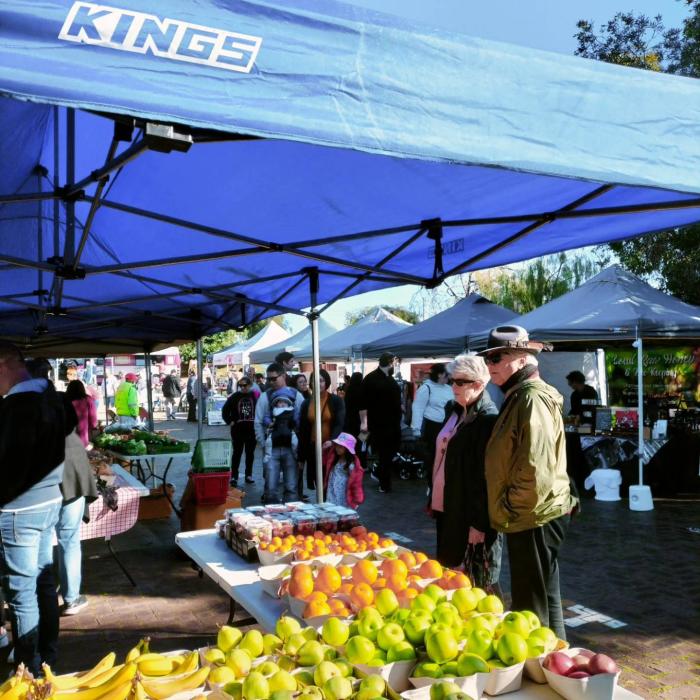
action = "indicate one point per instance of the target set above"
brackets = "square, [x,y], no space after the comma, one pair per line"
[149,390]
[104,388]
[602,377]
[318,445]
[198,394]
[640,497]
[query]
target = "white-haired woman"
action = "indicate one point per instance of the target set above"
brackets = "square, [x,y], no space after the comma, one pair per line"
[459,497]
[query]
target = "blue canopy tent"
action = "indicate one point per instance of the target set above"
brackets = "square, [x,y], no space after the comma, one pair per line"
[171,169]
[442,335]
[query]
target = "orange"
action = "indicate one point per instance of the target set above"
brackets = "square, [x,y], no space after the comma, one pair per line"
[345,571]
[409,593]
[420,557]
[303,555]
[317,596]
[386,542]
[380,583]
[315,608]
[328,579]
[302,571]
[301,587]
[263,546]
[443,582]
[364,572]
[362,595]
[414,578]
[345,588]
[408,559]
[358,531]
[460,581]
[394,567]
[430,569]
[396,583]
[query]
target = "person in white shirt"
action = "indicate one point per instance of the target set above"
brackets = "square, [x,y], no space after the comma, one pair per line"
[428,411]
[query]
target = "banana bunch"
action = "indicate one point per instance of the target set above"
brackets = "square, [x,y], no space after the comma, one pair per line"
[16,687]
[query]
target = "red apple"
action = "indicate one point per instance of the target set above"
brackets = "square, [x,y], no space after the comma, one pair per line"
[578,674]
[601,663]
[585,652]
[558,662]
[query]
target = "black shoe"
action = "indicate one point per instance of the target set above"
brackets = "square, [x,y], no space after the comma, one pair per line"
[233,482]
[383,490]
[249,480]
[304,498]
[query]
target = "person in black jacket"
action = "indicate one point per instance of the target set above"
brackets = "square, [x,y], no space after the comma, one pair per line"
[466,536]
[332,420]
[239,413]
[171,394]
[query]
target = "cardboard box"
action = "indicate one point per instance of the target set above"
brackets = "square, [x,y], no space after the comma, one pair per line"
[201,517]
[156,505]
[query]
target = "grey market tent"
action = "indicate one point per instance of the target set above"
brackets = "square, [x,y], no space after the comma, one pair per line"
[298,344]
[375,325]
[442,335]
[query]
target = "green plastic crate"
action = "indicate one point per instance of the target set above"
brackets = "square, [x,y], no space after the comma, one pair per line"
[212,455]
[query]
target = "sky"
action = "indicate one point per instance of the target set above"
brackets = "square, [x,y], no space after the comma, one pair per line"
[549,25]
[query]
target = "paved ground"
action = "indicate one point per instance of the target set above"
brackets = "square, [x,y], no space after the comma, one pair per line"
[638,569]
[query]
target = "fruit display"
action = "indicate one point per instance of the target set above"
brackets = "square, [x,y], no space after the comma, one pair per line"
[140,442]
[320,543]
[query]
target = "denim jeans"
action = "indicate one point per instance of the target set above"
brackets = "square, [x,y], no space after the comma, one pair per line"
[284,459]
[69,552]
[26,558]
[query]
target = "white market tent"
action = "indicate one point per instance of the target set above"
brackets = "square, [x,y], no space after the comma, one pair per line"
[299,345]
[239,353]
[342,345]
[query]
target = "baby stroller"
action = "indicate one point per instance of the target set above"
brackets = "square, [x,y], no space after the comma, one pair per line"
[408,461]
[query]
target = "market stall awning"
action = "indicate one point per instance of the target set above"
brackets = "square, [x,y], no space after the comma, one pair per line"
[172,170]
[614,307]
[342,345]
[237,353]
[299,344]
[442,335]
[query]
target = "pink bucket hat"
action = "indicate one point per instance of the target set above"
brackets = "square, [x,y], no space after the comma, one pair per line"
[347,441]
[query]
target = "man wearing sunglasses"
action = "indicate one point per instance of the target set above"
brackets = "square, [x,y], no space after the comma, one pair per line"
[528,486]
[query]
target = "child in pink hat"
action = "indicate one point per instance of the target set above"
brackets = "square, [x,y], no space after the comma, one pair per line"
[342,474]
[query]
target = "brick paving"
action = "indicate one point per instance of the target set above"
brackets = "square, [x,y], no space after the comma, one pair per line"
[642,569]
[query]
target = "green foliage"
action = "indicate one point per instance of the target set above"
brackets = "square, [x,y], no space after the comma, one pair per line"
[672,258]
[538,282]
[352,317]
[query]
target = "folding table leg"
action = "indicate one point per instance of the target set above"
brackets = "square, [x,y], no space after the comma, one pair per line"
[232,614]
[108,540]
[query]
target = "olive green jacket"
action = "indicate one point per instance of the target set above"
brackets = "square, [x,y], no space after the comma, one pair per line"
[526,475]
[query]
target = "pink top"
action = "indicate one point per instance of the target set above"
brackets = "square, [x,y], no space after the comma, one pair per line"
[443,440]
[87,418]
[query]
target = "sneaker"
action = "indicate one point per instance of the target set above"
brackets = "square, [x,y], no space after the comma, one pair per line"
[76,606]
[383,490]
[373,476]
[249,480]
[233,482]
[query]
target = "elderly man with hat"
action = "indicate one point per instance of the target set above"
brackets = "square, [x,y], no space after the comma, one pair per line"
[126,400]
[528,487]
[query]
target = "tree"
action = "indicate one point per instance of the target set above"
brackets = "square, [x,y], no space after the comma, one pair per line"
[352,317]
[673,257]
[539,281]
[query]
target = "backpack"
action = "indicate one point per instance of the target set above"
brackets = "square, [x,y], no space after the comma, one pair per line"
[280,427]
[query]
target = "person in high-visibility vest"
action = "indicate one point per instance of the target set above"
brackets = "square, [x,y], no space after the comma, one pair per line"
[126,400]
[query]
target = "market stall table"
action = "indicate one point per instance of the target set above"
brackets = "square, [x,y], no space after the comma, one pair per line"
[240,580]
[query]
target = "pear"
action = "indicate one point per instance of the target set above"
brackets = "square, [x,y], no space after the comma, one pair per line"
[311,653]
[294,643]
[310,633]
[214,655]
[282,695]
[228,637]
[221,675]
[303,679]
[235,690]
[239,661]
[282,680]
[286,663]
[267,668]
[256,687]
[252,642]
[286,626]
[271,644]
[337,688]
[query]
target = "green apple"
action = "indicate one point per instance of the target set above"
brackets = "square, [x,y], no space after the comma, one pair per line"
[271,644]
[458,696]
[401,615]
[532,619]
[228,637]
[366,694]
[304,678]
[286,626]
[239,661]
[335,632]
[282,680]
[490,604]
[309,633]
[344,666]
[545,636]
[496,664]
[220,675]
[294,643]
[380,654]
[415,628]
[369,612]
[337,688]
[252,642]
[465,600]
[267,668]
[468,664]
[401,651]
[492,619]
[480,642]
[421,612]
[516,623]
[479,593]
[256,686]
[389,635]
[423,602]
[374,682]
[427,669]
[439,691]
[435,592]
[310,654]
[370,626]
[311,692]
[355,628]
[359,650]
[441,646]
[478,622]
[282,694]
[286,663]
[329,653]
[214,655]
[437,627]
[386,602]
[449,669]
[324,671]
[234,689]
[511,649]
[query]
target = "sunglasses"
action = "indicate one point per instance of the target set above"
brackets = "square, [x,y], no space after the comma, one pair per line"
[495,358]
[272,379]
[462,382]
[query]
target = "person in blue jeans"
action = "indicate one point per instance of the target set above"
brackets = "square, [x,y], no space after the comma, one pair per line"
[33,429]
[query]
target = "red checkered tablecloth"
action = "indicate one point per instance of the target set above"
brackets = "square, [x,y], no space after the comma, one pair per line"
[105,522]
